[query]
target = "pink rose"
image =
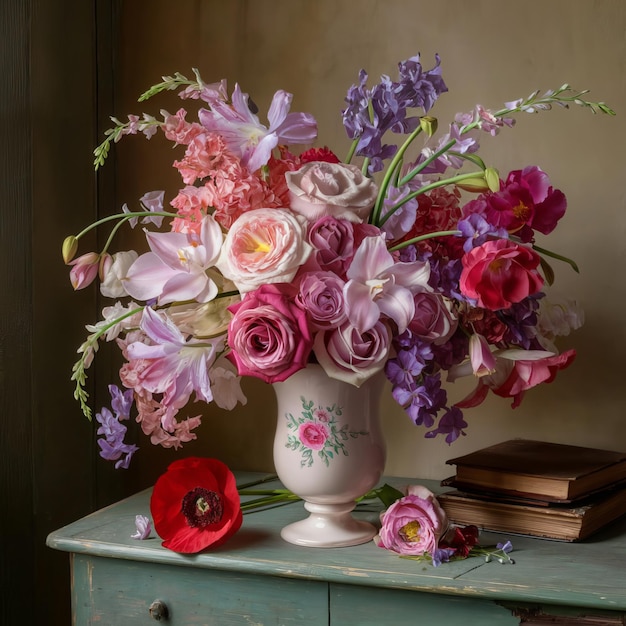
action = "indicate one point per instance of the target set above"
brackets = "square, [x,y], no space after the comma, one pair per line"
[336,240]
[313,435]
[413,524]
[337,189]
[433,321]
[263,246]
[321,296]
[268,335]
[351,356]
[500,273]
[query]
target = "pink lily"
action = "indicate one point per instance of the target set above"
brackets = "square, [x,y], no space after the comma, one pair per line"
[481,357]
[84,270]
[175,269]
[378,286]
[247,138]
[176,367]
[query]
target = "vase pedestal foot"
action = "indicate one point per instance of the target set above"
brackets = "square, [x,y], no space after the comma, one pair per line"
[328,526]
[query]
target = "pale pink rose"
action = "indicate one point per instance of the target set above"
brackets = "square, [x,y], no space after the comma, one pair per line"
[268,335]
[351,356]
[313,435]
[413,524]
[337,189]
[433,320]
[264,246]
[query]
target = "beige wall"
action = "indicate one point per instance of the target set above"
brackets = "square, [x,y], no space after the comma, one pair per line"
[492,51]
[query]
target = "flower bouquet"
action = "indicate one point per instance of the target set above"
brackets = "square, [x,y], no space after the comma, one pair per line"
[414,257]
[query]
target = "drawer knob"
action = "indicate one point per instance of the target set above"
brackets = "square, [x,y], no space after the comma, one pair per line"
[158,610]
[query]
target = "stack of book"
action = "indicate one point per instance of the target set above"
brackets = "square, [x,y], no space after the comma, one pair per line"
[536,488]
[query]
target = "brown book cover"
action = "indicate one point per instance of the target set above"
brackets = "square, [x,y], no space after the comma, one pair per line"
[560,522]
[539,470]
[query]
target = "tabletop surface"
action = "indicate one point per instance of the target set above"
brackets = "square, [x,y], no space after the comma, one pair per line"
[586,574]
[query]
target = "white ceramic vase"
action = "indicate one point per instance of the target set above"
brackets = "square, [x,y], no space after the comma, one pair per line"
[329,450]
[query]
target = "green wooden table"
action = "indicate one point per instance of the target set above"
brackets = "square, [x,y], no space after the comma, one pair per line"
[257,578]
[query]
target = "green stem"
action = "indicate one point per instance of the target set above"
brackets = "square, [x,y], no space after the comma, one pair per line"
[416,170]
[426,188]
[395,162]
[352,150]
[123,217]
[559,257]
[440,233]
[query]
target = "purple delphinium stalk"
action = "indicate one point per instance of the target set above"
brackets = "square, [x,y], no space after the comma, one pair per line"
[372,112]
[451,424]
[521,323]
[112,446]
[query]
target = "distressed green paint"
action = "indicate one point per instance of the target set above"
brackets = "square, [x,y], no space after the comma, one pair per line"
[257,578]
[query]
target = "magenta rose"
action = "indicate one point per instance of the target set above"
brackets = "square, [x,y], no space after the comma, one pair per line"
[313,435]
[500,273]
[433,321]
[413,524]
[268,335]
[351,356]
[337,189]
[321,296]
[334,242]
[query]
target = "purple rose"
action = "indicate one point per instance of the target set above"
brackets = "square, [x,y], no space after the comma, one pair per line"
[321,295]
[351,356]
[269,336]
[335,240]
[413,524]
[434,320]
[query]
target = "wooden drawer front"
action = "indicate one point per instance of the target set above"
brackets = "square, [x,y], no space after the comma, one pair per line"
[366,606]
[117,592]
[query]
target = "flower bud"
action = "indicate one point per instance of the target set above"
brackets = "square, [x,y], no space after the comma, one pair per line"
[429,125]
[84,270]
[493,179]
[106,261]
[477,184]
[70,246]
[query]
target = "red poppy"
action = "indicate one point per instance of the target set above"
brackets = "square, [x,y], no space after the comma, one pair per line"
[195,504]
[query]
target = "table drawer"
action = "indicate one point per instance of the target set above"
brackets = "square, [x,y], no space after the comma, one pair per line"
[367,606]
[119,592]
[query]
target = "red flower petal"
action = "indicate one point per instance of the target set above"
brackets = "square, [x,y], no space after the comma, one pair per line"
[173,525]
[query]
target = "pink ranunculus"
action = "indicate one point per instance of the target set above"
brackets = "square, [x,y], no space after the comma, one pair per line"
[337,189]
[263,246]
[433,321]
[413,525]
[500,273]
[351,356]
[313,435]
[321,296]
[268,335]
